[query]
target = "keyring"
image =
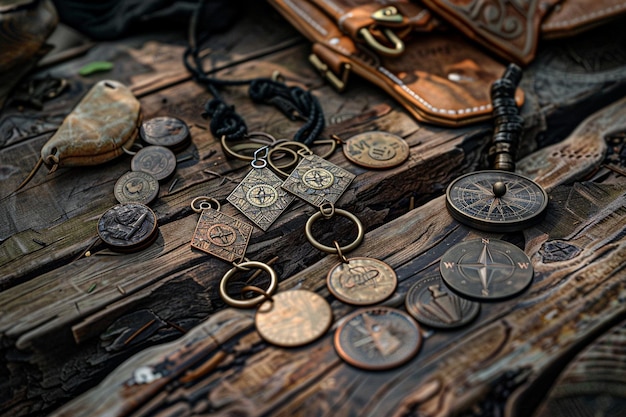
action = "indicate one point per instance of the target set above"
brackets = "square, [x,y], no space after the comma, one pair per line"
[255,300]
[330,249]
[280,169]
[257,141]
[202,203]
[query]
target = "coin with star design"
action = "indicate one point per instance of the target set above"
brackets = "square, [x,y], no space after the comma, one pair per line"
[486,269]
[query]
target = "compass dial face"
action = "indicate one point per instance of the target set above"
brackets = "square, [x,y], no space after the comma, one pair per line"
[496,201]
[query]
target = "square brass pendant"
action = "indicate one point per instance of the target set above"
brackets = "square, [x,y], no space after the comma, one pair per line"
[221,235]
[260,198]
[316,180]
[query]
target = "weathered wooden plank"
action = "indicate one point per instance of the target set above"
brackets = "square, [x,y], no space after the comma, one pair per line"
[510,344]
[36,253]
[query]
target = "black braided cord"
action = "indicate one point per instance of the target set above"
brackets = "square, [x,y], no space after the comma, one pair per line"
[294,102]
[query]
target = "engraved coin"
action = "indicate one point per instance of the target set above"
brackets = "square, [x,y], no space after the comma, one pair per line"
[362,281]
[378,338]
[158,161]
[165,131]
[496,201]
[260,198]
[293,318]
[136,187]
[128,227]
[317,181]
[486,269]
[376,150]
[221,235]
[432,304]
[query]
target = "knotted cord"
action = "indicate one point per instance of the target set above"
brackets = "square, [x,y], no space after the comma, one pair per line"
[294,102]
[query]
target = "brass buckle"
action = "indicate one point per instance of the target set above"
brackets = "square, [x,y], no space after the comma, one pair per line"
[398,45]
[338,82]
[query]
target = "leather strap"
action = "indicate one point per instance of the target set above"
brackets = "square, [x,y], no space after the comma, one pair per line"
[574,16]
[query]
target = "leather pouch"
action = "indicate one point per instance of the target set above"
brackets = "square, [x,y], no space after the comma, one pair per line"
[440,77]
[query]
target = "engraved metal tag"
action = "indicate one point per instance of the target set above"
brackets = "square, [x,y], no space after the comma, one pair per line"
[221,235]
[316,180]
[260,198]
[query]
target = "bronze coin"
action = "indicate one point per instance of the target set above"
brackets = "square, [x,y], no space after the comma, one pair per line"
[293,318]
[128,227]
[486,269]
[496,201]
[158,161]
[136,187]
[432,304]
[362,281]
[377,150]
[378,338]
[165,131]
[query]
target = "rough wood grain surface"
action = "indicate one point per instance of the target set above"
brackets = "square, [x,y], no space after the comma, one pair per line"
[67,323]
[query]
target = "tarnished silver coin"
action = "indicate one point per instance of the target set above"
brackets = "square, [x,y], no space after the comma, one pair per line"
[376,150]
[293,318]
[486,269]
[432,304]
[166,131]
[128,227]
[136,187]
[378,338]
[362,281]
[158,161]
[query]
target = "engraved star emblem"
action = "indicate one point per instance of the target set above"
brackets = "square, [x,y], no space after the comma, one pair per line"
[487,269]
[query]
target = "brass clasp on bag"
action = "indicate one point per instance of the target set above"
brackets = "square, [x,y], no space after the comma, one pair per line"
[338,82]
[387,15]
[398,45]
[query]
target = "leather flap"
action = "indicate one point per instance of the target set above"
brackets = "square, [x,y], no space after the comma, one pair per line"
[508,27]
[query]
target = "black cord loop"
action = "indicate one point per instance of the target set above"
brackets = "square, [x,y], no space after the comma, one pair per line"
[295,102]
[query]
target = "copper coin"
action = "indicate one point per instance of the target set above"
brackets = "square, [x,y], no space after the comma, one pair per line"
[293,318]
[128,227]
[432,304]
[376,150]
[136,187]
[158,161]
[378,338]
[486,269]
[165,131]
[362,281]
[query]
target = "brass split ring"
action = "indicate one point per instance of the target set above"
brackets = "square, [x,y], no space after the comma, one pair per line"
[202,203]
[255,300]
[330,249]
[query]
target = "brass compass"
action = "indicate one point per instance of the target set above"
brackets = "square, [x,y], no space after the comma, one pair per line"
[496,201]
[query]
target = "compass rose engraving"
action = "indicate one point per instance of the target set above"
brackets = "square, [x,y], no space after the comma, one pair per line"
[262,195]
[496,200]
[318,178]
[260,198]
[317,181]
[486,269]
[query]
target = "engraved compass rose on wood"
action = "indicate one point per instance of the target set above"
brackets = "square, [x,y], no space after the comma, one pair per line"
[496,201]
[486,269]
